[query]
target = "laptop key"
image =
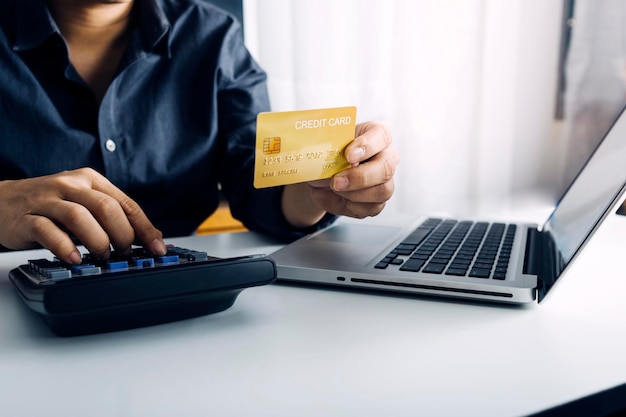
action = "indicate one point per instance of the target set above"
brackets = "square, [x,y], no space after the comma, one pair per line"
[499,275]
[412,265]
[456,271]
[479,273]
[433,268]
[417,236]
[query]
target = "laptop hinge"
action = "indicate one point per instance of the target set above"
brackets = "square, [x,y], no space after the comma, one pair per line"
[532,257]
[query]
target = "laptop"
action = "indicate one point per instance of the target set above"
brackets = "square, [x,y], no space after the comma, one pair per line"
[481,260]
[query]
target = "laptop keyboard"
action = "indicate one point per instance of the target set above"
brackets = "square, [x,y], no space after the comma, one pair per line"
[451,247]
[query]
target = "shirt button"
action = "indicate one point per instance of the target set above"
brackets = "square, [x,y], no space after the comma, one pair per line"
[110,145]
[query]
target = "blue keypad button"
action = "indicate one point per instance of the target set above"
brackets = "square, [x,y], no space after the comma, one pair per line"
[117,265]
[168,259]
[84,270]
[143,263]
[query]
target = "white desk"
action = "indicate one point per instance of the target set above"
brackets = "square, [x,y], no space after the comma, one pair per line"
[306,351]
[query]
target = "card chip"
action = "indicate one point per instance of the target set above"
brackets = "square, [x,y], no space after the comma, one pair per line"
[271,145]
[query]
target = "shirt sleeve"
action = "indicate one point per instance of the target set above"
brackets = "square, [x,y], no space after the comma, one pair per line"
[242,94]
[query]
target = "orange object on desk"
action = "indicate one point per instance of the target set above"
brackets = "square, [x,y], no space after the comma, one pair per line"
[221,221]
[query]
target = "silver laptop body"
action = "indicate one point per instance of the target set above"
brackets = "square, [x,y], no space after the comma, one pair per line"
[350,253]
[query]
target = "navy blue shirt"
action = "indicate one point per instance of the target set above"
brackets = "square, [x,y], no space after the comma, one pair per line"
[177,122]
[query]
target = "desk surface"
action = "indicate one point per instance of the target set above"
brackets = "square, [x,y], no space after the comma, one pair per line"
[311,351]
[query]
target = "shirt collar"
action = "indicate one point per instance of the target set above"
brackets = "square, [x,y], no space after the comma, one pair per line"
[154,26]
[35,24]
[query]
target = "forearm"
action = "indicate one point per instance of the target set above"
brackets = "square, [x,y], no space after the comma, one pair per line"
[298,206]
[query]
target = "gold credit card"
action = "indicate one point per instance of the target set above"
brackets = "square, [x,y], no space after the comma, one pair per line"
[300,146]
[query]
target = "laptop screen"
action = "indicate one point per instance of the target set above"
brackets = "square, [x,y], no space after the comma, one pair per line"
[587,201]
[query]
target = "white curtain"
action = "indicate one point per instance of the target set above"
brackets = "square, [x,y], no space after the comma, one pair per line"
[468,87]
[596,78]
